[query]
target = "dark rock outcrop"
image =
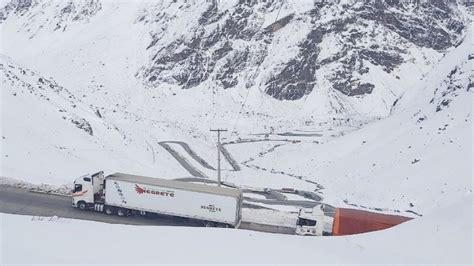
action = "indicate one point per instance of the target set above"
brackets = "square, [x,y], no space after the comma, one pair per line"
[227,47]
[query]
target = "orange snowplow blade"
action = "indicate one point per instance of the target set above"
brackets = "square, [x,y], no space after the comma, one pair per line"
[352,221]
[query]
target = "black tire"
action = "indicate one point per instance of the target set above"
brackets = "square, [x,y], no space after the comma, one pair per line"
[121,212]
[221,225]
[82,205]
[109,210]
[209,224]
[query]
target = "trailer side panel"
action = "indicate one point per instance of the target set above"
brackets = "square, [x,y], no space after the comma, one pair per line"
[172,201]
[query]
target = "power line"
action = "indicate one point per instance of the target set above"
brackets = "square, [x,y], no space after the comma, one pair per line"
[278,14]
[248,90]
[241,109]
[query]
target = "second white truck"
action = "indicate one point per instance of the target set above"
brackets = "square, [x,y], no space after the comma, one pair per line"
[125,194]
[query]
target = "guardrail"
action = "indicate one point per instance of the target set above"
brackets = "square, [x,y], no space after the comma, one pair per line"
[267,228]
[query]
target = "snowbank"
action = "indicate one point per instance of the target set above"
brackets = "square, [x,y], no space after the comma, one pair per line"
[444,236]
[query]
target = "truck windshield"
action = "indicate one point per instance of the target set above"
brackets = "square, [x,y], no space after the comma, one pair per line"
[306,222]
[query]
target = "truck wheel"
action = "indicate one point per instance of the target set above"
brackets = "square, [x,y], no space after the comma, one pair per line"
[109,210]
[219,225]
[82,205]
[121,212]
[209,224]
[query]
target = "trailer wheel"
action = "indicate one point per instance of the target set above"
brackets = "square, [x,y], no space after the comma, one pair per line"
[222,225]
[109,210]
[82,205]
[121,212]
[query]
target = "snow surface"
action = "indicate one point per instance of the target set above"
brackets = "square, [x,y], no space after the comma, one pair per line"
[443,236]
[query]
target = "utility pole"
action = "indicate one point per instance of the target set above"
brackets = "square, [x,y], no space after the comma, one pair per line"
[219,153]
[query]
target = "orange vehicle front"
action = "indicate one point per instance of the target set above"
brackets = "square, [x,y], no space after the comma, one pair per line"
[352,221]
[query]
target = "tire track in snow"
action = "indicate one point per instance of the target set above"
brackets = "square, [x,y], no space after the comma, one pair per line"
[309,195]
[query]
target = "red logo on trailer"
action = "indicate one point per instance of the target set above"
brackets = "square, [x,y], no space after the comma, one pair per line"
[139,190]
[145,190]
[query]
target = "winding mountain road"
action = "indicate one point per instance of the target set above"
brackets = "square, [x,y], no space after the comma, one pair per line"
[194,155]
[183,161]
[271,197]
[235,165]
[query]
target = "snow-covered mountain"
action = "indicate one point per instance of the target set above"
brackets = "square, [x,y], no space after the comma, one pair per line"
[342,59]
[420,158]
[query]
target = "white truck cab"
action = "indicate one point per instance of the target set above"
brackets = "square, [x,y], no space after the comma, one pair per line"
[87,190]
[313,222]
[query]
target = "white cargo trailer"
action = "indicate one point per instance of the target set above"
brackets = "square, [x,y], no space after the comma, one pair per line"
[124,194]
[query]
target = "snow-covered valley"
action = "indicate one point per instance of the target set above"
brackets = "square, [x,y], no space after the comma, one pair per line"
[383,123]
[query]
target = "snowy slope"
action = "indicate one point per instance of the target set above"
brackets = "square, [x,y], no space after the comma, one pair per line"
[59,136]
[443,236]
[291,62]
[49,134]
[417,159]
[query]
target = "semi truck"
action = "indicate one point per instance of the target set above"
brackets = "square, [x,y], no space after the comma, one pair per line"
[327,220]
[314,221]
[124,194]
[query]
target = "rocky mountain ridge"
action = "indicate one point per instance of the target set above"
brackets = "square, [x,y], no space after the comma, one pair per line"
[336,58]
